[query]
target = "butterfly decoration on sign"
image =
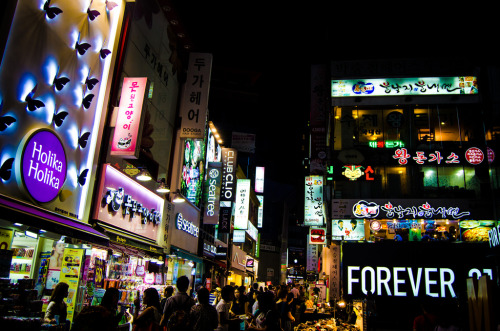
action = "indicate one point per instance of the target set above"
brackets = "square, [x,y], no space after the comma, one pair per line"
[51,12]
[82,178]
[91,82]
[59,118]
[33,104]
[5,169]
[60,82]
[6,120]
[82,141]
[82,47]
[87,101]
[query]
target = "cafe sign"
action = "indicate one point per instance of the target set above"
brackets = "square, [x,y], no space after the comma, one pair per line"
[404,86]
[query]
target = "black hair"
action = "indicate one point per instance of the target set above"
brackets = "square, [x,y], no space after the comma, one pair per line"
[182,283]
[203,295]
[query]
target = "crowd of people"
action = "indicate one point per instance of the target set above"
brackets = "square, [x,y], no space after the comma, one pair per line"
[230,308]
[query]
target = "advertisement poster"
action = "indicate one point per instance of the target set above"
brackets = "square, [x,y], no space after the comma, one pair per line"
[348,230]
[313,203]
[70,274]
[5,238]
[192,170]
[99,272]
[55,263]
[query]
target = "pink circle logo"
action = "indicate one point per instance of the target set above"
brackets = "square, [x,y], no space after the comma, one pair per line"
[43,166]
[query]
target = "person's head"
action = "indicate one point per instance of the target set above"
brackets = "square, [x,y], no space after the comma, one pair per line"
[169,290]
[151,297]
[282,294]
[110,299]
[58,247]
[340,223]
[203,295]
[289,296]
[354,223]
[59,292]
[239,291]
[227,293]
[255,286]
[182,283]
[266,301]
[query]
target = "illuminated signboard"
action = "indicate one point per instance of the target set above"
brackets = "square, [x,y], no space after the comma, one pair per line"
[404,86]
[259,179]
[212,193]
[128,205]
[194,101]
[57,86]
[313,204]
[353,172]
[494,236]
[365,209]
[242,204]
[43,166]
[126,138]
[317,236]
[252,231]
[260,211]
[386,144]
[350,229]
[472,155]
[239,236]
[227,193]
[192,170]
[213,148]
[184,225]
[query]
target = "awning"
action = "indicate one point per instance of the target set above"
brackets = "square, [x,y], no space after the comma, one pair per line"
[129,239]
[15,211]
[185,254]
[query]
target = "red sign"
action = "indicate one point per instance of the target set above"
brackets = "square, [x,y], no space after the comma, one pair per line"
[317,236]
[474,155]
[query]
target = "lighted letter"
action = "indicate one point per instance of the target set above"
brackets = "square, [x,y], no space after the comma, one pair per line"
[351,280]
[415,285]
[398,281]
[384,281]
[475,271]
[429,282]
[448,283]
[372,279]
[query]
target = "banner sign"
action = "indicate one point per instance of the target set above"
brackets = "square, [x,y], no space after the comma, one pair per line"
[404,86]
[228,186]
[401,209]
[471,156]
[211,193]
[70,274]
[351,229]
[194,102]
[127,136]
[260,211]
[313,204]
[259,179]
[126,204]
[242,204]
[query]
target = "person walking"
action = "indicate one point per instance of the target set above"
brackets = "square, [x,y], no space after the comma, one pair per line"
[224,309]
[203,316]
[181,301]
[150,317]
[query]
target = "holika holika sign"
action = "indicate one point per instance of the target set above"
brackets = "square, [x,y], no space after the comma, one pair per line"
[404,86]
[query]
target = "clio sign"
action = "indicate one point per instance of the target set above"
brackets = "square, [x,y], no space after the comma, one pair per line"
[43,165]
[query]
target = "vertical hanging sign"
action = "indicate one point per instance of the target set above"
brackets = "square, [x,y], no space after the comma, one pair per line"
[242,204]
[211,193]
[194,102]
[127,136]
[260,211]
[229,157]
[313,203]
[259,179]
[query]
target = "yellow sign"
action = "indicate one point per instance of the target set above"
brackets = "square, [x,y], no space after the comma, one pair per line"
[5,238]
[70,274]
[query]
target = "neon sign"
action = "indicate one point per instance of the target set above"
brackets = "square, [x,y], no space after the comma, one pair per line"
[404,86]
[184,225]
[353,172]
[386,144]
[364,209]
[473,155]
[116,199]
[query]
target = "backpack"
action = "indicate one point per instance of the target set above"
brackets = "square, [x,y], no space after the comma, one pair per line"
[178,321]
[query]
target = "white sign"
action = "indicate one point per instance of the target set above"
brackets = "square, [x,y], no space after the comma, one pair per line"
[260,211]
[404,86]
[313,204]
[194,102]
[259,179]
[242,204]
[239,236]
[252,231]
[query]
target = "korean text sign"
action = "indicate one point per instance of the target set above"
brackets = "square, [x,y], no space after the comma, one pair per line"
[194,102]
[313,203]
[242,204]
[126,139]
